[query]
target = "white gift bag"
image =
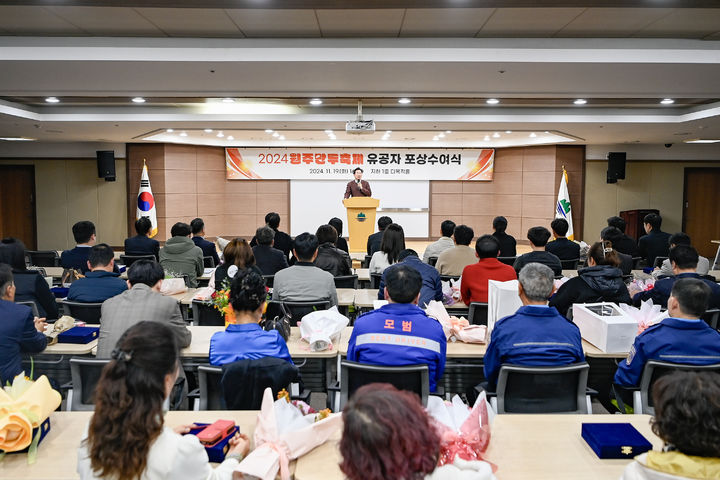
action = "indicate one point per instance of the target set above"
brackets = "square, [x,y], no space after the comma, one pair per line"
[322,328]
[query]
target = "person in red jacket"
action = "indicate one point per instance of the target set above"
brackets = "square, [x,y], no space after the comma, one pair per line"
[474,282]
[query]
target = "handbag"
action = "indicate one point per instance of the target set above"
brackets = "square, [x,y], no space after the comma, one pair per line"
[279,323]
[69,275]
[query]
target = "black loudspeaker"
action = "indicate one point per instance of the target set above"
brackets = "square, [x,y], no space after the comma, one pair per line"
[106,164]
[616,166]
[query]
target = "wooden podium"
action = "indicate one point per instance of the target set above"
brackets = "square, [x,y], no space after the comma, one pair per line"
[361,220]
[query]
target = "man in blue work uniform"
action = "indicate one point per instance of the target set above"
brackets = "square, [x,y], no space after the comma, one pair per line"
[682,338]
[431,284]
[400,333]
[537,335]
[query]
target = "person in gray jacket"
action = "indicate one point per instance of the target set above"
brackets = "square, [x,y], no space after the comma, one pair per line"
[180,255]
[680,238]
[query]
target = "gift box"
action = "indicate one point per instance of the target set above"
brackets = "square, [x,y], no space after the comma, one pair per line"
[216,453]
[614,440]
[605,325]
[44,428]
[79,335]
[503,300]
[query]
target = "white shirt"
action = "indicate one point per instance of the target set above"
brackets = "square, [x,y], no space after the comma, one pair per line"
[437,247]
[171,456]
[379,262]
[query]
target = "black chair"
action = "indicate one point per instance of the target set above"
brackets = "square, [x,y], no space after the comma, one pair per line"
[32,305]
[654,370]
[128,260]
[208,262]
[298,310]
[269,279]
[85,374]
[206,315]
[659,261]
[210,394]
[346,281]
[87,312]
[375,280]
[712,316]
[570,264]
[366,262]
[478,313]
[447,278]
[432,261]
[636,262]
[43,258]
[522,389]
[353,375]
[508,260]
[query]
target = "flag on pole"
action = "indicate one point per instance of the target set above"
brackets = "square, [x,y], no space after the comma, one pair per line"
[562,208]
[146,201]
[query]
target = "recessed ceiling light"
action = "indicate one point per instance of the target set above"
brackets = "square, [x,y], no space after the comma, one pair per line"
[492,101]
[275,134]
[138,100]
[580,101]
[17,139]
[169,130]
[315,101]
[220,134]
[52,100]
[231,137]
[268,130]
[532,135]
[508,131]
[496,135]
[183,134]
[228,100]
[702,140]
[208,130]
[281,137]
[404,101]
[667,101]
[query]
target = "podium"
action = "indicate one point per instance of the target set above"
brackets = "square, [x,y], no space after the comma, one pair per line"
[361,220]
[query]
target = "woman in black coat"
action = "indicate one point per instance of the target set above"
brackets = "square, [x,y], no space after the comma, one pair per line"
[601,281]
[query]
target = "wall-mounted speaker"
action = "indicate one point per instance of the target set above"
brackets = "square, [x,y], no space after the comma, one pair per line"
[106,164]
[616,166]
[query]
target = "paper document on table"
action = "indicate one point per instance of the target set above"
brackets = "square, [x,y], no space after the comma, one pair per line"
[208,271]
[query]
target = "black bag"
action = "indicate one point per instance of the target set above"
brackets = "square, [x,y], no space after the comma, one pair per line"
[281,324]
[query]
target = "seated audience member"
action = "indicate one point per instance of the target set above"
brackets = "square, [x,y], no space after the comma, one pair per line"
[401,323]
[282,240]
[453,260]
[507,242]
[538,237]
[656,243]
[375,239]
[30,286]
[683,259]
[244,339]
[126,437]
[387,434]
[143,301]
[536,335]
[445,242]
[613,236]
[682,338]
[561,247]
[624,244]
[475,277]
[20,332]
[431,284]
[341,242]
[329,257]
[687,419]
[76,258]
[393,242]
[680,238]
[237,256]
[142,244]
[600,281]
[197,226]
[100,283]
[304,282]
[268,259]
[180,256]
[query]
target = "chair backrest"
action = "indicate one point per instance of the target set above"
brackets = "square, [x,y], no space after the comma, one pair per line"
[43,258]
[269,280]
[346,281]
[508,260]
[432,261]
[654,370]
[87,312]
[712,316]
[40,270]
[375,280]
[478,313]
[299,309]
[636,262]
[206,315]
[128,260]
[659,261]
[85,374]
[353,375]
[570,264]
[208,262]
[32,305]
[211,393]
[522,389]
[366,262]
[244,382]
[447,278]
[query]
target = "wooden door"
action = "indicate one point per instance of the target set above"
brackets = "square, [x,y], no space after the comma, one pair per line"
[701,212]
[17,203]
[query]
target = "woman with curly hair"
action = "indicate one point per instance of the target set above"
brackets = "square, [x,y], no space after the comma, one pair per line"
[687,419]
[387,434]
[126,438]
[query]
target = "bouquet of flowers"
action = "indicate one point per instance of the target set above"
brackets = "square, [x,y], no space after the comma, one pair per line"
[456,328]
[647,315]
[221,301]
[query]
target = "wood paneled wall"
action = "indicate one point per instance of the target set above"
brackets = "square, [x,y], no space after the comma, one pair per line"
[524,190]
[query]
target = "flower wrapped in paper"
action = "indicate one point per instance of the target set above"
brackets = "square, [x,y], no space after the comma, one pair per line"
[456,328]
[25,405]
[322,328]
[464,432]
[282,434]
[646,316]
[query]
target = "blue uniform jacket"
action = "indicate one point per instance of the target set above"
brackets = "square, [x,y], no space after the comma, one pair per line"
[674,340]
[96,287]
[661,291]
[208,248]
[535,336]
[431,284]
[77,258]
[246,342]
[399,334]
[17,335]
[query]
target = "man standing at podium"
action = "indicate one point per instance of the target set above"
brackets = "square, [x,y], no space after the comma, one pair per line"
[358,187]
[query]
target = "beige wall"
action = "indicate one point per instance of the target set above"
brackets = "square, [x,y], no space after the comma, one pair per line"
[647,184]
[68,191]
